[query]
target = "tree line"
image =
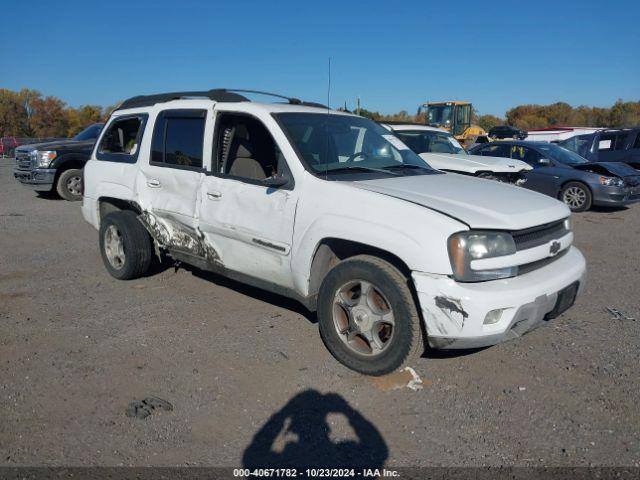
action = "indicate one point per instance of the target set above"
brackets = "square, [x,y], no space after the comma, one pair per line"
[28,113]
[528,117]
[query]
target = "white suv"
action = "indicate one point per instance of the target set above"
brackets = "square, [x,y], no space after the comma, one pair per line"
[331,209]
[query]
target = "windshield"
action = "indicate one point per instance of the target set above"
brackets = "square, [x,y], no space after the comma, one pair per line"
[562,155]
[579,144]
[89,133]
[425,141]
[337,144]
[439,115]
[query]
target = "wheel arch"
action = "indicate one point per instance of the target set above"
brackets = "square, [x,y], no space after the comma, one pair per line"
[330,251]
[107,205]
[573,180]
[67,162]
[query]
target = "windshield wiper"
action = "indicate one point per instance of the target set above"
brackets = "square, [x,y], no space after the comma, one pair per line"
[360,169]
[408,165]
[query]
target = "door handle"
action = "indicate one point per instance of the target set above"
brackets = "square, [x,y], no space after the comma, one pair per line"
[153,183]
[214,195]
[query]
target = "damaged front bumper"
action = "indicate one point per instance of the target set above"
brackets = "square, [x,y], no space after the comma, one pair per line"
[470,315]
[616,196]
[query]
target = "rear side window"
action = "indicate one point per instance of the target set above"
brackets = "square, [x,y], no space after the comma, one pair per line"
[178,139]
[121,140]
[636,144]
[499,150]
[525,154]
[612,141]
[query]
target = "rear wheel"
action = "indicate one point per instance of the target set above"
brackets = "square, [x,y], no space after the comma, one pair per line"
[125,245]
[367,317]
[576,196]
[69,185]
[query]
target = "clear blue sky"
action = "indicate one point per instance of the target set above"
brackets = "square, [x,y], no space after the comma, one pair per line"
[393,54]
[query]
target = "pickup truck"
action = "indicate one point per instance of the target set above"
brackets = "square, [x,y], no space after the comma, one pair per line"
[56,166]
[613,145]
[333,210]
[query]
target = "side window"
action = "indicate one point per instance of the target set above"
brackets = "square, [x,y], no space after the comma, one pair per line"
[178,138]
[525,154]
[621,141]
[636,144]
[121,141]
[607,142]
[414,141]
[245,150]
[496,150]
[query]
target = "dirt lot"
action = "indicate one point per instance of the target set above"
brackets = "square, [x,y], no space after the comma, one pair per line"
[239,364]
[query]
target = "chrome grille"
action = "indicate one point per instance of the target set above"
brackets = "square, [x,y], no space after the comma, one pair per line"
[536,236]
[23,161]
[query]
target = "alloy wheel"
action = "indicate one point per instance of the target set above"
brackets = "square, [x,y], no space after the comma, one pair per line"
[574,197]
[114,247]
[363,318]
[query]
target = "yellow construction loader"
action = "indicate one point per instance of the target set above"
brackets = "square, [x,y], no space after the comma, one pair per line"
[455,117]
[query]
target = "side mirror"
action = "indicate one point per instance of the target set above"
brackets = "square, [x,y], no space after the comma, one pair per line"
[276,181]
[544,162]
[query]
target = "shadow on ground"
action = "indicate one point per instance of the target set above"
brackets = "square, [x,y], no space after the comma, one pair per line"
[300,436]
[236,286]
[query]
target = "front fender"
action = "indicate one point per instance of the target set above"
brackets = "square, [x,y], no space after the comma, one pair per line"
[78,160]
[413,252]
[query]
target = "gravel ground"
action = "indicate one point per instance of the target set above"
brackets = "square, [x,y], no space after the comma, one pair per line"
[239,364]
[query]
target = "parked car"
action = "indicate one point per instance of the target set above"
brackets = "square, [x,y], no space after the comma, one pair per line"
[619,145]
[7,146]
[441,150]
[507,131]
[56,165]
[333,210]
[564,174]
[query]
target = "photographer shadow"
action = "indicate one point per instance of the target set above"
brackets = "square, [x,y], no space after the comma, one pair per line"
[298,436]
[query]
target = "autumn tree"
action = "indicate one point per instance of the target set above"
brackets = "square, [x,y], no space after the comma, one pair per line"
[487,122]
[49,117]
[79,118]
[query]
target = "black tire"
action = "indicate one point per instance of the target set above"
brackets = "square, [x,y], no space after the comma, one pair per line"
[405,345]
[577,196]
[69,185]
[137,245]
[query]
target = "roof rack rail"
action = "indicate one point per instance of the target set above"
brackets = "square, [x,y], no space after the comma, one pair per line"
[216,94]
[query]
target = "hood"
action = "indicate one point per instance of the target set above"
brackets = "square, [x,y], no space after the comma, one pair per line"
[618,169]
[473,163]
[59,145]
[476,202]
[33,146]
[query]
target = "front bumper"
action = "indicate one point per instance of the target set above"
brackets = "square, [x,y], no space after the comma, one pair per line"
[454,313]
[39,179]
[616,196]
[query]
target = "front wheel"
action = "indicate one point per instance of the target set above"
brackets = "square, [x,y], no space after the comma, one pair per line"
[576,196]
[367,317]
[69,185]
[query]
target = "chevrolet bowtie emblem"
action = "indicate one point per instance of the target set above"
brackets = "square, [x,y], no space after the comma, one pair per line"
[554,248]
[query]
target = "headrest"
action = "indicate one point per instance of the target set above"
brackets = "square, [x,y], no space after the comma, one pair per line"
[243,150]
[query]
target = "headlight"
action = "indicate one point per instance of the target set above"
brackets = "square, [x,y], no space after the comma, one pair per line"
[567,224]
[42,158]
[612,181]
[467,246]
